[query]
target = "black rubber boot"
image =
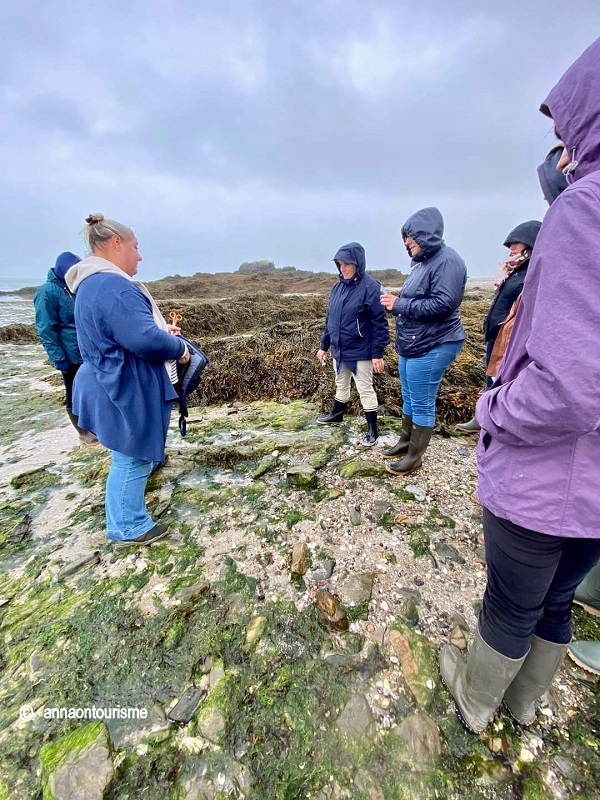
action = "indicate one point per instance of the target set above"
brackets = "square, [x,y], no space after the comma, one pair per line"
[401,446]
[472,426]
[85,437]
[371,435]
[335,416]
[419,441]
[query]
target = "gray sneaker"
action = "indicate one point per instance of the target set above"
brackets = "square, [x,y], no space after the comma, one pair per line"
[153,535]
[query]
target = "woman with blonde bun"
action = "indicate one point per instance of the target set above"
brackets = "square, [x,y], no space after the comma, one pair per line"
[125,387]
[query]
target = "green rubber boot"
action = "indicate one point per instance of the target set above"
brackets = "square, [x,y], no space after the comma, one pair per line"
[535,676]
[478,682]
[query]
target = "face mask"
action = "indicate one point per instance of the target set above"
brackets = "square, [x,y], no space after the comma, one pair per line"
[551,180]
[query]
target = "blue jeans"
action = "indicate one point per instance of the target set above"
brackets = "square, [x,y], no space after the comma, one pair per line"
[126,515]
[421,377]
[531,580]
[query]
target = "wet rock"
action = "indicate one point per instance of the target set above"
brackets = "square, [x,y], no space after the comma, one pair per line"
[132,732]
[355,515]
[216,673]
[422,739]
[321,570]
[78,766]
[35,478]
[498,745]
[186,706]
[164,500]
[568,768]
[357,589]
[319,459]
[300,559]
[448,552]
[236,607]
[76,566]
[254,631]
[188,596]
[457,620]
[302,476]
[408,610]
[418,661]
[266,464]
[330,612]
[480,554]
[416,491]
[457,638]
[21,530]
[356,720]
[369,661]
[368,786]
[362,469]
[211,723]
[218,775]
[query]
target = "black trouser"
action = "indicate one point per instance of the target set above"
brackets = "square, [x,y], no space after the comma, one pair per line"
[531,581]
[68,378]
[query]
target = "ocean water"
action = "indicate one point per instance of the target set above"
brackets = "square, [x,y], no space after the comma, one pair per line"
[15,309]
[9,284]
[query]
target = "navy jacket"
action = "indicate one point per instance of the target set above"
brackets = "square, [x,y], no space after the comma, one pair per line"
[356,327]
[427,310]
[55,320]
[122,392]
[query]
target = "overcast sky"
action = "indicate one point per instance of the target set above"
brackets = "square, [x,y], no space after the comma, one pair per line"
[232,131]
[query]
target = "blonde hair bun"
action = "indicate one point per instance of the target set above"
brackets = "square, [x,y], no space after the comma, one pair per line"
[94,219]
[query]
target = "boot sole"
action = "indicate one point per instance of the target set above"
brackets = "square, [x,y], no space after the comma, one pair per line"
[581,664]
[401,472]
[320,422]
[595,612]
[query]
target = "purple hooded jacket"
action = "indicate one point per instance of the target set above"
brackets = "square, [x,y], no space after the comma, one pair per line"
[539,450]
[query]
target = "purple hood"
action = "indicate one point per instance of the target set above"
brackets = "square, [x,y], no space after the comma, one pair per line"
[538,456]
[574,106]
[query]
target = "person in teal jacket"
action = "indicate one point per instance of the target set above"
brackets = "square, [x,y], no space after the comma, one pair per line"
[55,323]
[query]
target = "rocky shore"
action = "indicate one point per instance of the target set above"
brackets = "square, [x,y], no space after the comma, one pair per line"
[282,643]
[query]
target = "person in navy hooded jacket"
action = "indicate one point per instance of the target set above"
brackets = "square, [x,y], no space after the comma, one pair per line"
[55,322]
[429,333]
[357,332]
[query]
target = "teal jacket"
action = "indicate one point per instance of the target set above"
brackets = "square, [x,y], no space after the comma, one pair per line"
[55,321]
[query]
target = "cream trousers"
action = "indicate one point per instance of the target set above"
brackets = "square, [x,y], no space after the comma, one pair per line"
[364,384]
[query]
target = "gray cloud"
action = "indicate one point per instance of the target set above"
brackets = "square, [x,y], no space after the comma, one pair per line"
[243,130]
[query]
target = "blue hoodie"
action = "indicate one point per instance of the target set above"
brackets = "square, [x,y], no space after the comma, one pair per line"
[427,310]
[356,328]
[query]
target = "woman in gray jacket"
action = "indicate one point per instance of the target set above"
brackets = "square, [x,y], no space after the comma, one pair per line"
[429,333]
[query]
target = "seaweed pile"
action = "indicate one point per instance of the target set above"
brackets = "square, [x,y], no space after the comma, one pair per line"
[264,348]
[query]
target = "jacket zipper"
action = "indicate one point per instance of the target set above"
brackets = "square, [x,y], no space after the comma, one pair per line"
[358,326]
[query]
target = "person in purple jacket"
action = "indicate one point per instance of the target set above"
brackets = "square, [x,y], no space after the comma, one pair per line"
[124,390]
[539,450]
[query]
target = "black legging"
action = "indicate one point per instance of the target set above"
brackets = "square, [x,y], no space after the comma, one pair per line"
[68,378]
[531,581]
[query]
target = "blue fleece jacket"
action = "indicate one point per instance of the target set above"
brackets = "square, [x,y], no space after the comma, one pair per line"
[122,391]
